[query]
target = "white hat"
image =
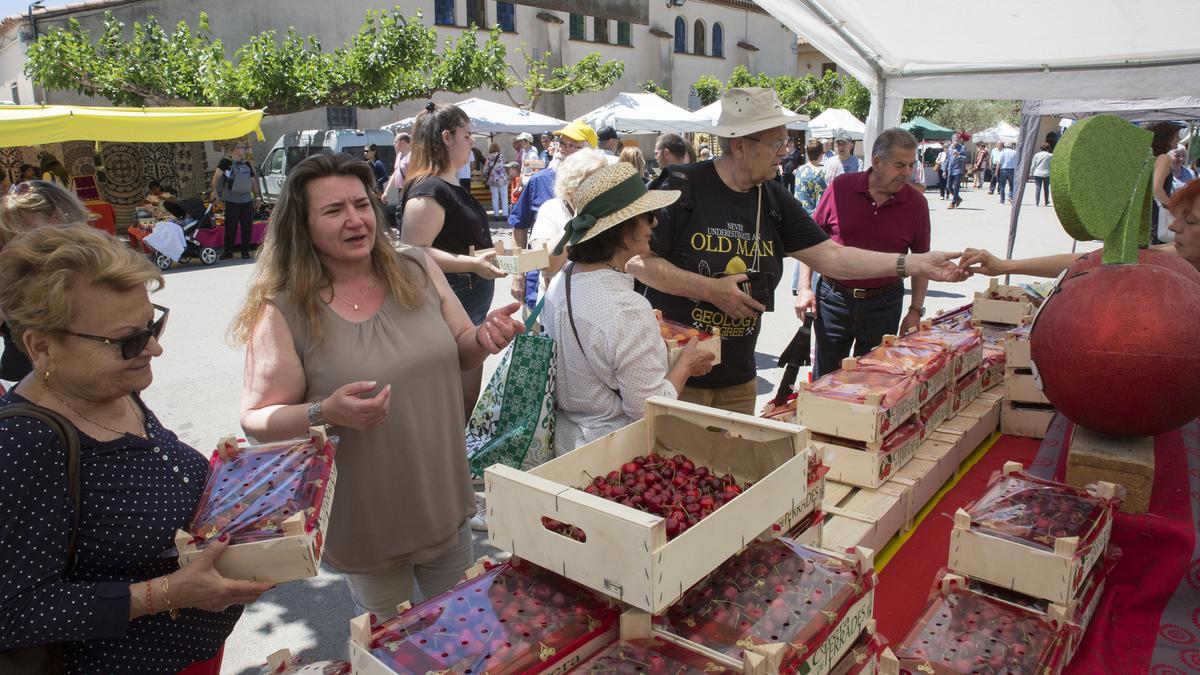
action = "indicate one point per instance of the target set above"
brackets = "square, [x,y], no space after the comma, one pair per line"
[843,135]
[525,136]
[749,110]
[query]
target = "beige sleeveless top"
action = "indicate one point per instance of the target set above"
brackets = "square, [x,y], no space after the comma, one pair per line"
[404,487]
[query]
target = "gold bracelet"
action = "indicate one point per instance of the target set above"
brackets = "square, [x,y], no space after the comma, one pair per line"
[166,593]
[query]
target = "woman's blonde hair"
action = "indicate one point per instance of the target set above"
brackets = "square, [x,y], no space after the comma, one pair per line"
[40,269]
[633,155]
[288,265]
[38,202]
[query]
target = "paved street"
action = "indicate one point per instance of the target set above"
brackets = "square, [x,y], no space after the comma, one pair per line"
[198,379]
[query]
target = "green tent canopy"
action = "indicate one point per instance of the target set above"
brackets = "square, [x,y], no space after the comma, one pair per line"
[932,132]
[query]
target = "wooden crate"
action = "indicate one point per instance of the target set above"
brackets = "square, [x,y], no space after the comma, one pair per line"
[872,465]
[934,413]
[869,422]
[941,452]
[883,511]
[1056,575]
[1001,304]
[961,363]
[928,384]
[1128,462]
[293,556]
[1017,352]
[967,389]
[627,555]
[1025,419]
[991,375]
[1023,386]
[514,260]
[920,480]
[707,343]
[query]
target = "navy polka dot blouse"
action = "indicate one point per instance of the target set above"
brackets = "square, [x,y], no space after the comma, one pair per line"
[136,493]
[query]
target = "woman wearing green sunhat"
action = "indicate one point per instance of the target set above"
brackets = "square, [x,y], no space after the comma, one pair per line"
[610,354]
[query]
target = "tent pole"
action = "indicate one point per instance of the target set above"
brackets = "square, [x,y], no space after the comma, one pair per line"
[1030,122]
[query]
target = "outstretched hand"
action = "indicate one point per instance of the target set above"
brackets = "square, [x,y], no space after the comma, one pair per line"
[936,265]
[499,329]
[980,261]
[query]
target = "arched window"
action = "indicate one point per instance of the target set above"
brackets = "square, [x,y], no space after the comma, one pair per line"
[698,46]
[680,35]
[718,40]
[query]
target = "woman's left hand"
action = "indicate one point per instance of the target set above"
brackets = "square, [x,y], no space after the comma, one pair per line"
[499,328]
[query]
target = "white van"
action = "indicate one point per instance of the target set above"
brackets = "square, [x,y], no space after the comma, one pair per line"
[292,148]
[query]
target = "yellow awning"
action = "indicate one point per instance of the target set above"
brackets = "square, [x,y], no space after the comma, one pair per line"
[22,125]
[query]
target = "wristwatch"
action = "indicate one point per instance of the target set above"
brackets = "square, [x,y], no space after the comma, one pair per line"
[315,418]
[919,310]
[902,265]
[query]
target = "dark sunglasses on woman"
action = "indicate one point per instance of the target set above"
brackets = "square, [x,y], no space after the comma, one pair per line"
[133,345]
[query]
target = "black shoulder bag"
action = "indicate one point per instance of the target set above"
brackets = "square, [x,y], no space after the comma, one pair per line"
[48,659]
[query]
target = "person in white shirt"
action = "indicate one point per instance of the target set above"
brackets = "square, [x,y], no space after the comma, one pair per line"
[994,157]
[609,354]
[527,156]
[844,161]
[1008,171]
[1040,170]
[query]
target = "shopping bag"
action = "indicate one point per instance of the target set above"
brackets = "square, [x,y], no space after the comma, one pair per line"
[513,421]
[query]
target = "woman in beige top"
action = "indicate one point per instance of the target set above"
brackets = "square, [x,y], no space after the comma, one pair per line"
[343,330]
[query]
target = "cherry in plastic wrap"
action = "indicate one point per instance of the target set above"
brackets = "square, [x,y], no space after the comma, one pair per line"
[965,346]
[863,656]
[512,618]
[1035,512]
[927,362]
[650,655]
[253,489]
[965,632]
[777,592]
[855,385]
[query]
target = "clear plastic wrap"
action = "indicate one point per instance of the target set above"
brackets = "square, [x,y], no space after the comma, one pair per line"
[649,655]
[854,385]
[252,490]
[512,618]
[965,632]
[923,361]
[776,592]
[672,331]
[863,656]
[965,346]
[935,410]
[958,318]
[1033,511]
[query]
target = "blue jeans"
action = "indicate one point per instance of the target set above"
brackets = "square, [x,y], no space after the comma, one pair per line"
[1008,176]
[954,184]
[1041,184]
[844,321]
[474,292]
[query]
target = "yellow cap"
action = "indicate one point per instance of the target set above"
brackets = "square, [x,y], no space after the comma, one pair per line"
[580,131]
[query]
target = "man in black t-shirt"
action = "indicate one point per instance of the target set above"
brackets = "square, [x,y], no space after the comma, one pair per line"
[733,219]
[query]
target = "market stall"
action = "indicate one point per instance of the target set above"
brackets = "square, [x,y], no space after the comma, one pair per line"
[636,113]
[489,117]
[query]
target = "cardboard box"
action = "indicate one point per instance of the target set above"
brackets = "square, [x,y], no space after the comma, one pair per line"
[1002,304]
[869,464]
[1128,462]
[870,420]
[626,554]
[1025,419]
[991,542]
[292,549]
[1023,386]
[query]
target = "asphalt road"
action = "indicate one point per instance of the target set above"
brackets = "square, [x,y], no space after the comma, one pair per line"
[199,376]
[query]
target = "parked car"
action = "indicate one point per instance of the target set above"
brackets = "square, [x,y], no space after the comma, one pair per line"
[294,147]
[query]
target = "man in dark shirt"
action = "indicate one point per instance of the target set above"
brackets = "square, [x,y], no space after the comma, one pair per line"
[876,210]
[733,219]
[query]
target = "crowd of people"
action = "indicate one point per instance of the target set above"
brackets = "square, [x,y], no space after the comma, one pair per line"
[385,343]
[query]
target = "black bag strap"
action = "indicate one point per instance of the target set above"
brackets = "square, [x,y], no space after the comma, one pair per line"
[70,439]
[571,317]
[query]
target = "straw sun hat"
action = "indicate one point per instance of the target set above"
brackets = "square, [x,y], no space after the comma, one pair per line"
[609,197]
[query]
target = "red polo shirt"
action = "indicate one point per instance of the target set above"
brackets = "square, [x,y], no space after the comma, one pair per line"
[851,217]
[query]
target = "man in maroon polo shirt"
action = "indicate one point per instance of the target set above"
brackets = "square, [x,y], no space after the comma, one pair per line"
[875,210]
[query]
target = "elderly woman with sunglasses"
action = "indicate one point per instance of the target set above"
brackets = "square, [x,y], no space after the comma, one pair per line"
[99,585]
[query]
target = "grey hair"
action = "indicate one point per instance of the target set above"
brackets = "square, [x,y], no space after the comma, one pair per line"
[724,144]
[892,138]
[573,170]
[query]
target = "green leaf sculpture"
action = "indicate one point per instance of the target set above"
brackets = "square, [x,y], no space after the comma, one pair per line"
[1100,176]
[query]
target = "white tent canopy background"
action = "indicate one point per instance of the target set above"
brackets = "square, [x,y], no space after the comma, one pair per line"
[1002,132]
[834,120]
[489,117]
[712,112]
[640,113]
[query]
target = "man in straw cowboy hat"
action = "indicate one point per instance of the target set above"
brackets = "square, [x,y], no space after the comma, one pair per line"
[610,356]
[728,234]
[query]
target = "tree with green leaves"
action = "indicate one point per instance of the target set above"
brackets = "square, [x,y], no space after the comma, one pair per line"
[652,87]
[392,58]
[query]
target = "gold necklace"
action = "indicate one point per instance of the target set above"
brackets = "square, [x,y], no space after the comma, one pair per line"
[347,302]
[141,433]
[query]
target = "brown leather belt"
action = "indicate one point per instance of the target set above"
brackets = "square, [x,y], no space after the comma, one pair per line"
[860,293]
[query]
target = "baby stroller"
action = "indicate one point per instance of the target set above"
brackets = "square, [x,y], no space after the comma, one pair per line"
[181,245]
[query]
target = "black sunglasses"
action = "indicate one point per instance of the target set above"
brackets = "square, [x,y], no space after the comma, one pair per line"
[135,344]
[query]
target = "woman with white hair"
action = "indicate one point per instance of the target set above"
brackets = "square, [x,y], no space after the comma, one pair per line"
[552,217]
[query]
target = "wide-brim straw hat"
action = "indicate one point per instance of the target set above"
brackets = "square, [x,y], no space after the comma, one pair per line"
[749,110]
[610,196]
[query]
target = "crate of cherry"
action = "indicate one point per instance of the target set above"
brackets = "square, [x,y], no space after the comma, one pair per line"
[965,345]
[273,501]
[870,465]
[283,662]
[930,364]
[965,391]
[859,405]
[800,608]
[514,617]
[863,656]
[676,335]
[1032,535]
[646,511]
[963,632]
[934,412]
[1002,304]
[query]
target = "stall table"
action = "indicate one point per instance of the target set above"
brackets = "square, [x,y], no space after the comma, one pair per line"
[1148,620]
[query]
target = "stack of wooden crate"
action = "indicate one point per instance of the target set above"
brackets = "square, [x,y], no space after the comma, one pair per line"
[1026,412]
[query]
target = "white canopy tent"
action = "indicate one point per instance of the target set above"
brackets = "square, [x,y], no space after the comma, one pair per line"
[489,117]
[1111,48]
[712,111]
[631,113]
[1002,132]
[834,120]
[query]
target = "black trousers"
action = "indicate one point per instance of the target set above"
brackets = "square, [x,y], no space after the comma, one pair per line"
[238,215]
[845,322]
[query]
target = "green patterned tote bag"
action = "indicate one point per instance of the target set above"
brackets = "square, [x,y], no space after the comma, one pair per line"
[513,421]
